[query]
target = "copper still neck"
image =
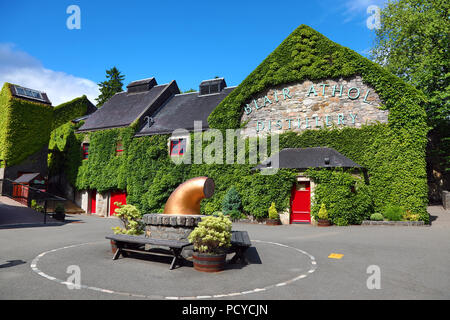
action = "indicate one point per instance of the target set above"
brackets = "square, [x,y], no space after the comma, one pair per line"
[186,198]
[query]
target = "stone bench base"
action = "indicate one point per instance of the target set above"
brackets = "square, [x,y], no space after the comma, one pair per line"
[170,227]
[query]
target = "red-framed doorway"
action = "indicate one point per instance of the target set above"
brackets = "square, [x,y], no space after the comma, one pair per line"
[93,204]
[301,202]
[117,196]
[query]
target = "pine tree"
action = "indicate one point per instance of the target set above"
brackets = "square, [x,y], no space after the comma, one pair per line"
[111,86]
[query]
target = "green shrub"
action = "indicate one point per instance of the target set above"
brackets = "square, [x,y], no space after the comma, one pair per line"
[60,208]
[212,235]
[347,198]
[394,213]
[323,213]
[376,217]
[236,215]
[273,213]
[35,206]
[341,222]
[409,216]
[231,201]
[130,217]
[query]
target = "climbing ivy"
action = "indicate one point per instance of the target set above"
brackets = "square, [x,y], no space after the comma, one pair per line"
[24,127]
[393,154]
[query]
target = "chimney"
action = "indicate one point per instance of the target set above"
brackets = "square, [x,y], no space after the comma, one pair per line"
[212,86]
[141,85]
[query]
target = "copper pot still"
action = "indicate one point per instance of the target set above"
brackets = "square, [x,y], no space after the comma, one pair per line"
[186,198]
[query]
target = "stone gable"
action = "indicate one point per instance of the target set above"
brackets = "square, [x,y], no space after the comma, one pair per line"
[313,105]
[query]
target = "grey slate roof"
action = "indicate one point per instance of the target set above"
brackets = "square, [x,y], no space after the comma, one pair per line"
[27,177]
[182,110]
[124,108]
[303,158]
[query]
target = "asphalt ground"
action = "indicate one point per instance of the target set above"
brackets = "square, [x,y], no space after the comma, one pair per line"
[286,262]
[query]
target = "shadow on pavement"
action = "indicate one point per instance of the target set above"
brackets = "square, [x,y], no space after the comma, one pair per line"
[12,263]
[16,216]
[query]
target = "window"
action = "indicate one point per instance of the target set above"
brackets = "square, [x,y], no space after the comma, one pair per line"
[29,93]
[177,147]
[119,148]
[85,150]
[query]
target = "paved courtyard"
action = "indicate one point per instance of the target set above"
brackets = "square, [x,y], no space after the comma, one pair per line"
[286,262]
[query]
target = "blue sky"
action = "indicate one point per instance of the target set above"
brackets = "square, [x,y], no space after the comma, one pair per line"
[186,41]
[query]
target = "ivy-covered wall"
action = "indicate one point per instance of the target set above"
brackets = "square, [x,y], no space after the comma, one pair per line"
[147,172]
[393,153]
[24,127]
[70,110]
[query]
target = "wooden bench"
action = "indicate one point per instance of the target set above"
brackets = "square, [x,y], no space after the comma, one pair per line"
[240,242]
[127,243]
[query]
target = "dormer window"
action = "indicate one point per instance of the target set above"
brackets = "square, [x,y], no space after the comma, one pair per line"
[85,150]
[177,147]
[212,86]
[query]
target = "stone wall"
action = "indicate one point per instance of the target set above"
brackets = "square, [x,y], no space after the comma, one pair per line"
[35,163]
[102,203]
[170,227]
[311,105]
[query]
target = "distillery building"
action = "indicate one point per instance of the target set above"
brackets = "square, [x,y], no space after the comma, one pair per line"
[351,139]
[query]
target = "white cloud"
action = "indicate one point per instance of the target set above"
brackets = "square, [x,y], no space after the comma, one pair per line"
[20,68]
[358,8]
[362,5]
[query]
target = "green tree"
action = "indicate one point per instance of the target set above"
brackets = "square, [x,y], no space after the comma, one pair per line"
[413,43]
[112,85]
[231,201]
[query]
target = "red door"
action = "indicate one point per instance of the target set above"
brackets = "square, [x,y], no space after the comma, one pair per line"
[93,201]
[118,196]
[301,203]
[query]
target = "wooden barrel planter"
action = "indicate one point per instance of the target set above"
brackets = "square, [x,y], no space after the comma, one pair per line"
[209,262]
[113,246]
[323,223]
[273,222]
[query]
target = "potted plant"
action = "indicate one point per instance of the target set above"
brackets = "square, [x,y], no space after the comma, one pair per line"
[323,217]
[130,216]
[274,218]
[211,238]
[60,212]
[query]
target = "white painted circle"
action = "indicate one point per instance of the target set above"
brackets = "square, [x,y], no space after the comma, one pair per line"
[224,295]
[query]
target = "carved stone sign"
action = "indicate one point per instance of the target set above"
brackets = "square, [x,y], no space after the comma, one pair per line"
[312,105]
